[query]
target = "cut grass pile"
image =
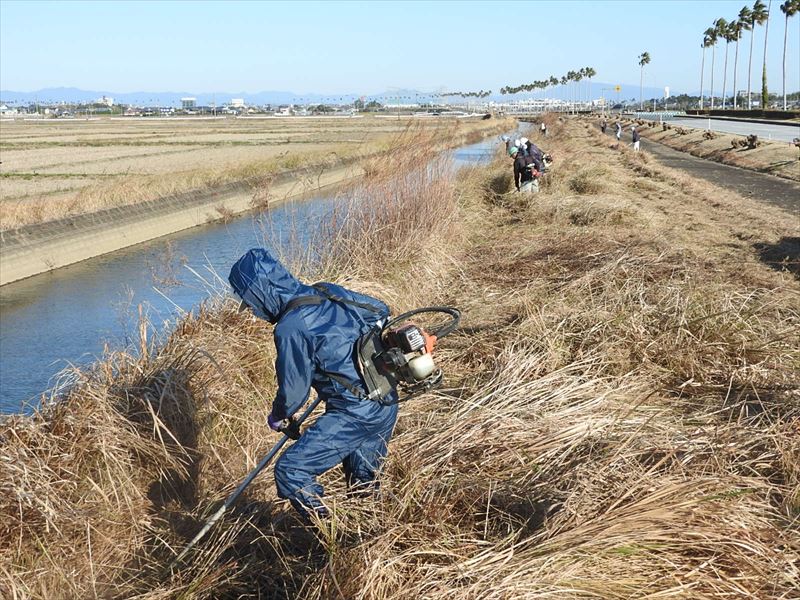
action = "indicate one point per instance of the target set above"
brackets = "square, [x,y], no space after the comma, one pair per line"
[620,417]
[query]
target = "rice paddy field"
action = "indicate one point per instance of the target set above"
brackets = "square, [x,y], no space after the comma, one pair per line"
[53,168]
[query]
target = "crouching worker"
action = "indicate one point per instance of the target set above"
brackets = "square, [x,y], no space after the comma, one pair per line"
[526,172]
[316,329]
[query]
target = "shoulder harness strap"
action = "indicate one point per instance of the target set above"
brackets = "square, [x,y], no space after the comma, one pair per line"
[300,301]
[316,300]
[305,300]
[333,297]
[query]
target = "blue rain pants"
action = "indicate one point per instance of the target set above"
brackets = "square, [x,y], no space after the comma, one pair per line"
[359,444]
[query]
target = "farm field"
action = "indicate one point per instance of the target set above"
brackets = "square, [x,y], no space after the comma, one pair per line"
[50,169]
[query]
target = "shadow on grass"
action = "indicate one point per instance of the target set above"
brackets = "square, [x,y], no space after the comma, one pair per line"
[775,166]
[784,255]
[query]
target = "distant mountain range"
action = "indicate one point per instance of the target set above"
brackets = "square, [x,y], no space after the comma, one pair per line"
[65,94]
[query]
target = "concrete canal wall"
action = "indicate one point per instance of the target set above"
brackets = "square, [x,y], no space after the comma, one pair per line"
[28,251]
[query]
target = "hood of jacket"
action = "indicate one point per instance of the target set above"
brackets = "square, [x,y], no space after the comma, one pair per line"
[264,284]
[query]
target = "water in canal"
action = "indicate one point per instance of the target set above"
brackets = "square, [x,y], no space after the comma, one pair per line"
[66,317]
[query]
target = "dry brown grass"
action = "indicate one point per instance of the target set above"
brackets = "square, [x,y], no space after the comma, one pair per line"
[620,418]
[57,169]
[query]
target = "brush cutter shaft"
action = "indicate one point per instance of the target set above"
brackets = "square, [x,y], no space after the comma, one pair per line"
[242,486]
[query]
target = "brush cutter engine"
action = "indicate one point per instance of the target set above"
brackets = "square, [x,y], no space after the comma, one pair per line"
[409,357]
[399,355]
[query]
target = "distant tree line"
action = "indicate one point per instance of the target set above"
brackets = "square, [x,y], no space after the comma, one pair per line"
[571,77]
[480,94]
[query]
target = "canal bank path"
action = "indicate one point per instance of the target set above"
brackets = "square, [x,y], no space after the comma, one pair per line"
[763,187]
[780,192]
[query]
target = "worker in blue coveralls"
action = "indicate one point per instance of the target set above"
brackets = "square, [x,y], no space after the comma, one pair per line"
[315,340]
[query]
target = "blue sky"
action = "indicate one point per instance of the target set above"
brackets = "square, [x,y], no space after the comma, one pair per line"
[340,47]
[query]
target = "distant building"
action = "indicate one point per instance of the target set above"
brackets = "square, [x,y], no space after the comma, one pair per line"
[105,100]
[237,102]
[187,103]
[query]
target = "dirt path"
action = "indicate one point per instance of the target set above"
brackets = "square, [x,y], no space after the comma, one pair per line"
[773,190]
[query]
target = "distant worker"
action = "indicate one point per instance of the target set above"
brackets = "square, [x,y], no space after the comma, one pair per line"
[509,143]
[635,137]
[618,126]
[525,172]
[603,126]
[543,129]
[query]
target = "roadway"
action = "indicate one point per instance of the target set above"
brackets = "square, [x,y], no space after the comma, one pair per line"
[764,131]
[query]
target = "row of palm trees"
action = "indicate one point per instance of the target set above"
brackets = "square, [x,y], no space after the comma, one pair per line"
[480,94]
[552,81]
[747,20]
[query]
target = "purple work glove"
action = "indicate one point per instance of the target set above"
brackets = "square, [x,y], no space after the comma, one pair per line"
[289,427]
[276,424]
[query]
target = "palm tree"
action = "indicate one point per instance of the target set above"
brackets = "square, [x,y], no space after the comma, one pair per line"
[757,17]
[728,33]
[590,72]
[764,91]
[706,43]
[644,59]
[711,34]
[789,9]
[742,24]
[570,77]
[721,25]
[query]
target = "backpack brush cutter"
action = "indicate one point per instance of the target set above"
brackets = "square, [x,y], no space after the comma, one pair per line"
[399,355]
[395,356]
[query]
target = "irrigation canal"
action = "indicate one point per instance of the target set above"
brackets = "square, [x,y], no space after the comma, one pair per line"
[68,316]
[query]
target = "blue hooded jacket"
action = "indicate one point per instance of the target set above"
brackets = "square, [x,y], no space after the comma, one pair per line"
[312,339]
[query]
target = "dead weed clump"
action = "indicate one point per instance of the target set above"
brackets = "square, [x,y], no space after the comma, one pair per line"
[82,478]
[390,228]
[589,180]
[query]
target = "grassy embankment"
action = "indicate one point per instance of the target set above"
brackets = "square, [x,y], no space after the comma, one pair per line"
[620,420]
[773,157]
[56,169]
